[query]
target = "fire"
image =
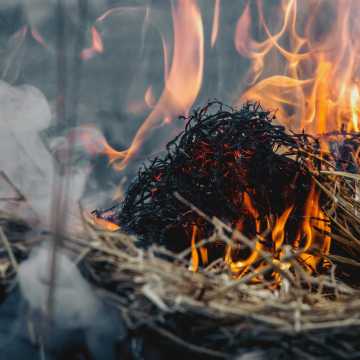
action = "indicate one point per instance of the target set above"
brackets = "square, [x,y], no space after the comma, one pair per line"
[312,80]
[194,252]
[183,82]
[314,218]
[354,101]
[312,241]
[216,23]
[183,78]
[239,267]
[92,141]
[278,234]
[309,79]
[304,70]
[103,224]
[97,45]
[195,260]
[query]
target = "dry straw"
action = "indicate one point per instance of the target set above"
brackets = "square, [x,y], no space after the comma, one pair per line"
[212,313]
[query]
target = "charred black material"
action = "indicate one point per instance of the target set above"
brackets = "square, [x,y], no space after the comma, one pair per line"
[222,156]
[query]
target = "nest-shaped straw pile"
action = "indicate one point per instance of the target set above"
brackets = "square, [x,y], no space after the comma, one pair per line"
[213,313]
[210,312]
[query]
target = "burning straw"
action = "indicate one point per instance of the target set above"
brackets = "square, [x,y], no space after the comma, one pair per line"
[235,186]
[292,284]
[241,168]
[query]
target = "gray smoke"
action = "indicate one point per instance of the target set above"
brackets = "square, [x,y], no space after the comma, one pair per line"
[76,306]
[27,163]
[27,167]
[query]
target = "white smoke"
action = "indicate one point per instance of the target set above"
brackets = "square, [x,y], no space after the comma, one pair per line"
[76,307]
[75,303]
[25,160]
[29,169]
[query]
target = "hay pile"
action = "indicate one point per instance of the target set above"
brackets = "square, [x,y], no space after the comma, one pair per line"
[210,313]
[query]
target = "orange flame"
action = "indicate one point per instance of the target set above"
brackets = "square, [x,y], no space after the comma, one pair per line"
[311,82]
[307,73]
[354,101]
[97,45]
[184,80]
[278,233]
[194,252]
[216,23]
[241,266]
[315,229]
[149,97]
